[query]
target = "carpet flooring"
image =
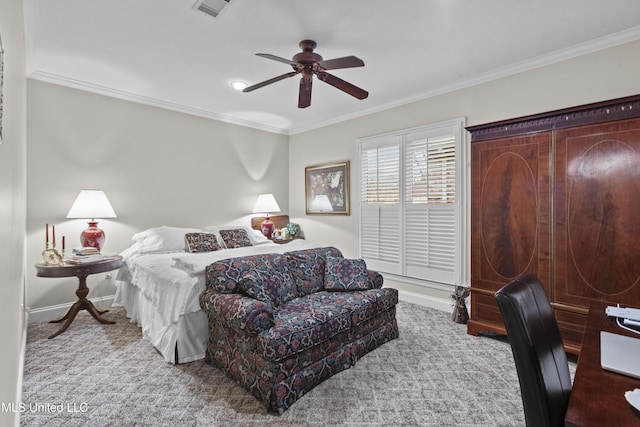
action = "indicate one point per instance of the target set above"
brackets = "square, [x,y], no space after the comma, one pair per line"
[434,374]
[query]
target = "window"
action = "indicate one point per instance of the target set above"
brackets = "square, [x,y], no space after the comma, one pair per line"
[411,202]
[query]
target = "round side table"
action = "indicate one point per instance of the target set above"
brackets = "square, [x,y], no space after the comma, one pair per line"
[81,271]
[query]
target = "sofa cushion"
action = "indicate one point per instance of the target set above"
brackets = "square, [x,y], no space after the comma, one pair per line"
[223,276]
[268,285]
[299,325]
[307,268]
[308,272]
[309,321]
[346,275]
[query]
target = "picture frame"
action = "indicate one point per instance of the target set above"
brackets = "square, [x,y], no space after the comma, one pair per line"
[326,189]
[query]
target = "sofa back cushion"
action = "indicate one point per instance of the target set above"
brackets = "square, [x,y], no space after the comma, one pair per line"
[275,286]
[223,276]
[308,267]
[346,275]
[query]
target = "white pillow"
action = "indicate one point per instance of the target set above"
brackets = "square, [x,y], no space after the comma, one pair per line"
[255,236]
[163,239]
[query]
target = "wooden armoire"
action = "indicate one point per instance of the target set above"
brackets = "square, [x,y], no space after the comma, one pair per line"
[557,195]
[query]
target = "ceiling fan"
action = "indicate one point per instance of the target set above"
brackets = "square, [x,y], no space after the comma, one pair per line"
[309,63]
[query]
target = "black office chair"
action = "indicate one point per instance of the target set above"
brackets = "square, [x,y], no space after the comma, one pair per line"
[541,361]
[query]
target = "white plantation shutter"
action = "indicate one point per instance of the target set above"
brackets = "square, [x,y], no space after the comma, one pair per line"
[410,203]
[430,210]
[380,206]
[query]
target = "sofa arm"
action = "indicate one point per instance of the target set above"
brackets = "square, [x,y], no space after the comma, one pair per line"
[238,312]
[375,279]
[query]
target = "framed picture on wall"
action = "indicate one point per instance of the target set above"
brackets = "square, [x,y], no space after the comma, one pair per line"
[327,189]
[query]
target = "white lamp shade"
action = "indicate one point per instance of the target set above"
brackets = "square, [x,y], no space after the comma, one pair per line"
[91,204]
[321,203]
[266,203]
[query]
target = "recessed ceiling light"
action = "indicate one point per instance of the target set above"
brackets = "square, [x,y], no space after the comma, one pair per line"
[238,84]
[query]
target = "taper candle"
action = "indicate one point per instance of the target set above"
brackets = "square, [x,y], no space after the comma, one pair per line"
[62,243]
[47,241]
[53,235]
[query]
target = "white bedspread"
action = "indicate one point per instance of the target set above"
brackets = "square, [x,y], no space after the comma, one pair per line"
[174,281]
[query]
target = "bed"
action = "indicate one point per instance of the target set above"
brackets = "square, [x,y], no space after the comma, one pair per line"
[162,278]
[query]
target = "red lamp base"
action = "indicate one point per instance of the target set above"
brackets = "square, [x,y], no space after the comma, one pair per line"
[267,228]
[92,236]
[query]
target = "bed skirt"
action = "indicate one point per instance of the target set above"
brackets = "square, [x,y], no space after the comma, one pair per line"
[179,342]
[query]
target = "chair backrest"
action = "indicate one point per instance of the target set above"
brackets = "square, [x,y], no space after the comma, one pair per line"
[538,351]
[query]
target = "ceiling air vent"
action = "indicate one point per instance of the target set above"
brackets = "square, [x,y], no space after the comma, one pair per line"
[211,7]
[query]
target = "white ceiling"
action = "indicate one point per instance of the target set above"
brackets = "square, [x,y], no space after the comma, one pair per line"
[164,53]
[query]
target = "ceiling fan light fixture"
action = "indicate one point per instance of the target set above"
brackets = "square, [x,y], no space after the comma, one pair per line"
[239,85]
[309,63]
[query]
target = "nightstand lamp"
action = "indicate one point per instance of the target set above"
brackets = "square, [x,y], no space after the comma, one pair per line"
[266,204]
[92,204]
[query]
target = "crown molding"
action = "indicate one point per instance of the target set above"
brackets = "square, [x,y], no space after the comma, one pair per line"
[155,102]
[609,41]
[592,46]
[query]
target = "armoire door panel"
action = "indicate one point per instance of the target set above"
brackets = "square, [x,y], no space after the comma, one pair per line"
[510,220]
[597,203]
[511,209]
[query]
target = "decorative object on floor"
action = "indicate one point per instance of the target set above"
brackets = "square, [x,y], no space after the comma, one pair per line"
[460,313]
[327,189]
[50,256]
[309,63]
[266,204]
[92,204]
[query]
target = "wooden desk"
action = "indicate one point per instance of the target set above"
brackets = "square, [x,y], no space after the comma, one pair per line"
[597,395]
[81,271]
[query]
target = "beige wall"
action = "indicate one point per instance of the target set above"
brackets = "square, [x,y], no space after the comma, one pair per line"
[603,75]
[162,167]
[157,167]
[12,208]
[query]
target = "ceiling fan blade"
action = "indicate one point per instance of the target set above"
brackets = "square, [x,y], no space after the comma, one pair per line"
[344,62]
[343,85]
[268,82]
[275,58]
[304,96]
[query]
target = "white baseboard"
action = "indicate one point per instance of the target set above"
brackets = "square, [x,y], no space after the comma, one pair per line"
[53,312]
[425,300]
[23,352]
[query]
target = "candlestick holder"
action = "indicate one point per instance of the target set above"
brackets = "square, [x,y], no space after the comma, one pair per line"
[50,255]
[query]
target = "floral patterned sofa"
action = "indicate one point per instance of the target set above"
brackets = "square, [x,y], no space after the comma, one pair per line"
[280,324]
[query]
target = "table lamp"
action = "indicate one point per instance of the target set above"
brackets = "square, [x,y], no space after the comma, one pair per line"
[92,204]
[266,204]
